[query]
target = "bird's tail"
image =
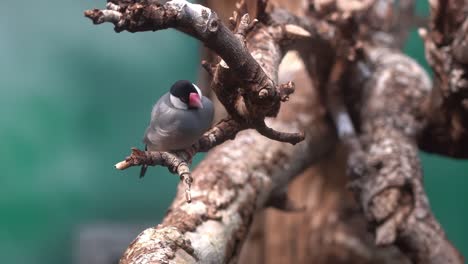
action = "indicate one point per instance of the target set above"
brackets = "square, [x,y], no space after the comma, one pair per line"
[144,167]
[143,170]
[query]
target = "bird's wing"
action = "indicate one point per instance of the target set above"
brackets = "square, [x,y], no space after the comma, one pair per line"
[155,113]
[207,113]
[164,123]
[151,130]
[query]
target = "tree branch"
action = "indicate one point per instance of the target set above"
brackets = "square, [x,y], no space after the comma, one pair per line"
[178,162]
[384,162]
[224,130]
[203,24]
[446,51]
[234,181]
[388,96]
[246,86]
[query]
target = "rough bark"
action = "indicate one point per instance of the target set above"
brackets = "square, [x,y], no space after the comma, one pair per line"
[387,94]
[330,229]
[382,106]
[446,46]
[384,162]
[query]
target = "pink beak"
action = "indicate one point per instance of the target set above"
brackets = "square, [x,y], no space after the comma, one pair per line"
[195,100]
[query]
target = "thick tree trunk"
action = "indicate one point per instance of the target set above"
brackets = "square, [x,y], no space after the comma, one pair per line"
[331,229]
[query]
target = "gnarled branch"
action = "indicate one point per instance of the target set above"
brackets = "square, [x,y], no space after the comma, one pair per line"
[446,51]
[245,79]
[387,94]
[384,164]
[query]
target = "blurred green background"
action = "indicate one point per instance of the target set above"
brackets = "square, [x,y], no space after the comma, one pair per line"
[75,97]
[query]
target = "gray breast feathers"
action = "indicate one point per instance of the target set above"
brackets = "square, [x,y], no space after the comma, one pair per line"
[174,129]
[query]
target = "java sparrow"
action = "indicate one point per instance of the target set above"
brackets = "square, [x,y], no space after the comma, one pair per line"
[178,119]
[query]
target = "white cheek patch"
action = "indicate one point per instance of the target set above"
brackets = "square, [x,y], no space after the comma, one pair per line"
[198,90]
[177,103]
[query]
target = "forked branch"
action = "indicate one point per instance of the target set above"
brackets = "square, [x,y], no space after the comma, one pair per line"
[248,91]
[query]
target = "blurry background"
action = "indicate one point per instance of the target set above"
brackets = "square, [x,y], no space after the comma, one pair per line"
[74,98]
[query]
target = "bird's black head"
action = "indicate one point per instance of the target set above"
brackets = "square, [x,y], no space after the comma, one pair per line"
[188,94]
[182,89]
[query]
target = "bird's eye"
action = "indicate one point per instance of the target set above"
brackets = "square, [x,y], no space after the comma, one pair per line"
[178,102]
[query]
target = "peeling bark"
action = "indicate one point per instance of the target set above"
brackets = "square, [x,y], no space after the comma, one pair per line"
[384,164]
[330,228]
[382,105]
[446,51]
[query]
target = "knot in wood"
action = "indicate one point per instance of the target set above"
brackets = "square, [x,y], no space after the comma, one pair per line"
[264,93]
[213,25]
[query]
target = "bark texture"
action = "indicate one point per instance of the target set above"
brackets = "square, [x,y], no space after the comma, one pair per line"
[384,163]
[354,89]
[446,46]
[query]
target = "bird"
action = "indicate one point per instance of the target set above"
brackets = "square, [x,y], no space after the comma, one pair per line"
[178,119]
